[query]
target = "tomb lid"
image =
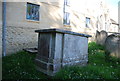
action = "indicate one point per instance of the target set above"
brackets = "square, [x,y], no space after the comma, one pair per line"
[61,31]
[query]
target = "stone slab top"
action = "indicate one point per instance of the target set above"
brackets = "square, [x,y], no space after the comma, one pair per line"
[61,31]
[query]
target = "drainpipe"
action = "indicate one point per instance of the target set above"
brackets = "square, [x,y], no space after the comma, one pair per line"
[4,28]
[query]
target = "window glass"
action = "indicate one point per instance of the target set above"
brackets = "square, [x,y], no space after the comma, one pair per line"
[87,22]
[32,11]
[66,19]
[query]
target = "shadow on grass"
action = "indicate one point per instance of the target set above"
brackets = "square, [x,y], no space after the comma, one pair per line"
[20,66]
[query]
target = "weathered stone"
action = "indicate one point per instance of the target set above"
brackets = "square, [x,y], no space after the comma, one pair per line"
[61,31]
[17,41]
[74,49]
[112,44]
[58,48]
[31,50]
[101,37]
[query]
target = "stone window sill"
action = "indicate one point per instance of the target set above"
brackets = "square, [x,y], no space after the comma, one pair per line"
[33,21]
[67,25]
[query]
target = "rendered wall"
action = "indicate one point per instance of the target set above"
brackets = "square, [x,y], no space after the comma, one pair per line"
[20,31]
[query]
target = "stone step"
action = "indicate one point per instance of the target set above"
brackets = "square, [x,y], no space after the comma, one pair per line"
[31,50]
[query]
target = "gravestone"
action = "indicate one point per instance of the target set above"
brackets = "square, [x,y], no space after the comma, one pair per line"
[101,37]
[58,48]
[112,44]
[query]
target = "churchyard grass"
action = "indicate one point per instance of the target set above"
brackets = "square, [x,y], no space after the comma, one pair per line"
[98,67]
[21,66]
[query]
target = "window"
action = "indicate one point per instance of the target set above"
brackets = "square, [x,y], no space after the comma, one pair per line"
[87,22]
[66,20]
[67,2]
[32,12]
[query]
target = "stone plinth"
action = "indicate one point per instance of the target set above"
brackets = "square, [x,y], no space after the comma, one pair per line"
[57,48]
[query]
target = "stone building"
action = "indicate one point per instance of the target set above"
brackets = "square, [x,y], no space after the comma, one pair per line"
[23,18]
[114,27]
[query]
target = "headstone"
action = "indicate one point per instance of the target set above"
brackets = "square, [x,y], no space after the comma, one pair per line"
[101,37]
[112,44]
[58,48]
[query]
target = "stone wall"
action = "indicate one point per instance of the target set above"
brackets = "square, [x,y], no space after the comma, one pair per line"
[20,31]
[19,38]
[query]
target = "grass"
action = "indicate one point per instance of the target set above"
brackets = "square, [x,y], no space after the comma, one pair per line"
[97,68]
[21,66]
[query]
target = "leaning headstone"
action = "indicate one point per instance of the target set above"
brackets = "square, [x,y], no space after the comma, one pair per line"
[112,45]
[101,37]
[58,48]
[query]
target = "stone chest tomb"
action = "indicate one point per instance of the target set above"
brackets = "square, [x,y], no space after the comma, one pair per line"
[58,48]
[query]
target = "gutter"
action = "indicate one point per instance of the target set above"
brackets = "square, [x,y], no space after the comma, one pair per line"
[4,28]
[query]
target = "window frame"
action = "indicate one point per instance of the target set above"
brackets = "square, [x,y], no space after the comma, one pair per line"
[67,2]
[35,5]
[66,15]
[66,18]
[87,23]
